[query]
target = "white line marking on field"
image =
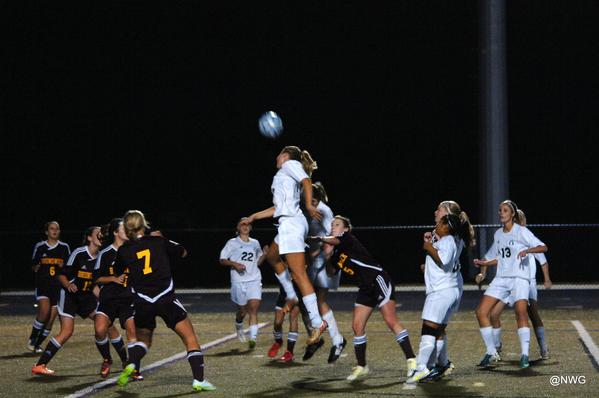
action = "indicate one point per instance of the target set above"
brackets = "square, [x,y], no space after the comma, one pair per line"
[587,340]
[174,358]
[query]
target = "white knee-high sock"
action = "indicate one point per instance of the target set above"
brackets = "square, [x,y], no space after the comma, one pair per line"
[497,337]
[285,281]
[312,308]
[442,358]
[253,332]
[333,329]
[524,337]
[487,335]
[427,346]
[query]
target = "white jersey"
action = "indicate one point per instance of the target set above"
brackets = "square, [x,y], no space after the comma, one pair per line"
[448,275]
[507,246]
[540,257]
[322,227]
[285,189]
[246,253]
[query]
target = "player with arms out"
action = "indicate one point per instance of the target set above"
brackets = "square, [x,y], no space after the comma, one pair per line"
[244,255]
[346,253]
[294,170]
[512,244]
[48,258]
[148,259]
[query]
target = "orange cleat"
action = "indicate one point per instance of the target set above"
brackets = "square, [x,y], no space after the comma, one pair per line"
[41,370]
[105,369]
[274,350]
[136,376]
[316,333]
[287,357]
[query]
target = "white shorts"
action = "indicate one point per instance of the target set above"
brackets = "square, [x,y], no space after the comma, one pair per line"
[532,294]
[509,290]
[241,292]
[317,272]
[292,232]
[439,305]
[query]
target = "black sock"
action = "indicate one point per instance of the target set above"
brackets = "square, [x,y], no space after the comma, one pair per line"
[120,348]
[196,361]
[360,349]
[36,330]
[41,337]
[51,350]
[104,349]
[137,351]
[404,342]
[291,339]
[278,335]
[237,319]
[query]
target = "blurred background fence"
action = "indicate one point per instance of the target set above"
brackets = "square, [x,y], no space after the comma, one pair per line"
[572,253]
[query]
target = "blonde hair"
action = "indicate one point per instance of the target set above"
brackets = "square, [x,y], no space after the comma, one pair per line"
[467,234]
[134,222]
[303,157]
[522,217]
[514,208]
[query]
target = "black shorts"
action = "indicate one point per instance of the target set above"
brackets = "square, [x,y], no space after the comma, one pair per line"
[378,293]
[168,308]
[47,290]
[121,308]
[82,304]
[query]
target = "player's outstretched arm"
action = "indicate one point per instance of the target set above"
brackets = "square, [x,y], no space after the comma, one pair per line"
[266,213]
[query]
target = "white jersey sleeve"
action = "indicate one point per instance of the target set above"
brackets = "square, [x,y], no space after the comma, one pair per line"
[295,170]
[225,253]
[540,257]
[491,254]
[530,239]
[445,276]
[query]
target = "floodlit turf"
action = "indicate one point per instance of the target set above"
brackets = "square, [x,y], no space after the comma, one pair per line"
[236,371]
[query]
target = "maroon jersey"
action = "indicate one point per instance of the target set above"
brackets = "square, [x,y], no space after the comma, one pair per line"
[50,259]
[351,257]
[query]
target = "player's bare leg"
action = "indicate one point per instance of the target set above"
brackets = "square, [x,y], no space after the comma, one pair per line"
[67,325]
[137,350]
[483,312]
[239,316]
[284,277]
[338,341]
[41,325]
[388,310]
[252,310]
[101,325]
[195,356]
[361,315]
[537,324]
[277,333]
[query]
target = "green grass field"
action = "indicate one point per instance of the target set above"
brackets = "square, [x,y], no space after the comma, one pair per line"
[236,371]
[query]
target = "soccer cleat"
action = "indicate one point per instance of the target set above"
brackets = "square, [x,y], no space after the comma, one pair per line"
[125,374]
[524,362]
[203,385]
[311,349]
[336,351]
[489,360]
[41,370]
[287,356]
[136,376]
[315,334]
[498,348]
[241,335]
[252,344]
[358,372]
[30,346]
[411,365]
[105,369]
[274,350]
[39,350]
[439,371]
[544,354]
[418,376]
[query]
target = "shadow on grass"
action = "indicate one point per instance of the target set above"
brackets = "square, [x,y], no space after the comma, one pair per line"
[283,365]
[231,353]
[49,379]
[23,355]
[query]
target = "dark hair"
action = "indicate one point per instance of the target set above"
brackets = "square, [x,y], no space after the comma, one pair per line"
[88,232]
[467,235]
[111,228]
[458,227]
[319,193]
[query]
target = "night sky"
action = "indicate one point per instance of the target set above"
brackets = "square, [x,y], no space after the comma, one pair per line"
[116,105]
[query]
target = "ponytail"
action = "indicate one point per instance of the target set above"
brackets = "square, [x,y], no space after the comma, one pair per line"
[319,193]
[303,157]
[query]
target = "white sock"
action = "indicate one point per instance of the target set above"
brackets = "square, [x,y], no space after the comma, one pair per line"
[292,336]
[497,337]
[432,360]
[442,351]
[253,332]
[336,337]
[427,346]
[312,308]
[487,334]
[540,333]
[524,336]
[285,280]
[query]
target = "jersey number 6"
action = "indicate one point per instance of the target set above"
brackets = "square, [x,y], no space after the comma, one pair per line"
[145,254]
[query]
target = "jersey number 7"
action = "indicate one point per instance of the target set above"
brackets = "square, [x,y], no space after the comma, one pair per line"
[145,254]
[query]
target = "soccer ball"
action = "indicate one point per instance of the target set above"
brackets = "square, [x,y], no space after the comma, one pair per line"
[270,125]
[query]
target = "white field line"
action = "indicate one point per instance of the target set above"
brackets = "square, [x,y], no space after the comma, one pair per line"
[93,388]
[587,340]
[342,289]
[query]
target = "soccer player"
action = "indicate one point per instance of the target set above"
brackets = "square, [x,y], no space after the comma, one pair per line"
[443,290]
[295,168]
[345,253]
[293,333]
[115,299]
[318,274]
[512,244]
[244,255]
[48,258]
[533,309]
[76,296]
[148,260]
